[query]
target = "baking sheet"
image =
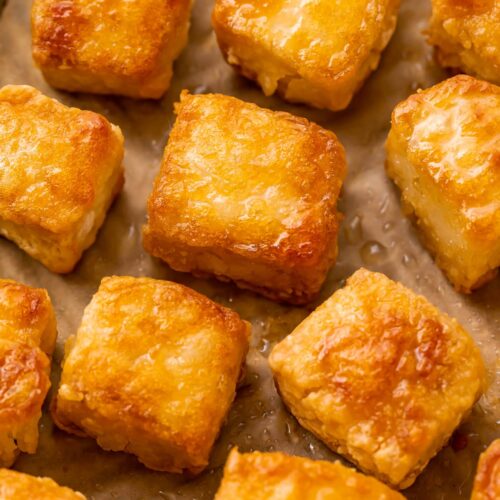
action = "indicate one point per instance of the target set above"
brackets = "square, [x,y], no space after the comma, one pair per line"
[375,234]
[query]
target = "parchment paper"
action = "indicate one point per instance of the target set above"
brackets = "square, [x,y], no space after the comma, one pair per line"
[375,234]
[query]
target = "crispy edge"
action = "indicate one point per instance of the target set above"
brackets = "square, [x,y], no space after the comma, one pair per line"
[19,486]
[301,81]
[230,320]
[487,479]
[55,52]
[402,119]
[240,466]
[365,279]
[305,257]
[35,310]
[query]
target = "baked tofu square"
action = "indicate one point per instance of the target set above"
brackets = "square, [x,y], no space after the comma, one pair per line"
[380,375]
[152,371]
[60,169]
[466,35]
[27,337]
[487,480]
[264,476]
[124,47]
[247,194]
[316,52]
[19,486]
[443,152]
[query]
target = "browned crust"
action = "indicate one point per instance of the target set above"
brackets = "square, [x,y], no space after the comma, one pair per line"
[465,35]
[302,253]
[367,369]
[487,480]
[303,70]
[79,144]
[27,315]
[136,410]
[109,48]
[24,382]
[259,475]
[18,486]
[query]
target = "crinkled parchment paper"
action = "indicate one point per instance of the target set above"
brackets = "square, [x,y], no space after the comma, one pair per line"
[375,234]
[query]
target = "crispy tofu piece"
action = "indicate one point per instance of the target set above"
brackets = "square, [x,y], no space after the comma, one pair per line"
[318,53]
[60,169]
[443,152]
[380,375]
[487,480]
[27,337]
[466,35]
[19,486]
[247,194]
[152,371]
[264,476]
[110,46]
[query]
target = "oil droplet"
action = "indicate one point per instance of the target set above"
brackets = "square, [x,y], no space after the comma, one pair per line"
[311,448]
[200,89]
[408,260]
[384,205]
[354,230]
[264,346]
[373,252]
[387,226]
[416,85]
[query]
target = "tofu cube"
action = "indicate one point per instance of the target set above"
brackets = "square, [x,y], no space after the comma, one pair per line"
[152,371]
[247,194]
[109,47]
[19,486]
[318,53]
[466,36]
[27,337]
[380,375]
[487,479]
[264,476]
[443,151]
[60,169]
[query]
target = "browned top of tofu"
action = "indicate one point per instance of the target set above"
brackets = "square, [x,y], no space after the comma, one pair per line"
[53,159]
[27,338]
[487,481]
[111,36]
[381,370]
[18,486]
[24,382]
[27,316]
[321,40]
[259,183]
[260,476]
[450,133]
[458,8]
[159,357]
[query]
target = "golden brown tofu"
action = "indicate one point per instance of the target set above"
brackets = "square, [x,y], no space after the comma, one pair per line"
[466,34]
[247,194]
[487,480]
[264,476]
[60,170]
[111,46]
[380,375]
[27,337]
[19,486]
[152,371]
[443,151]
[316,52]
